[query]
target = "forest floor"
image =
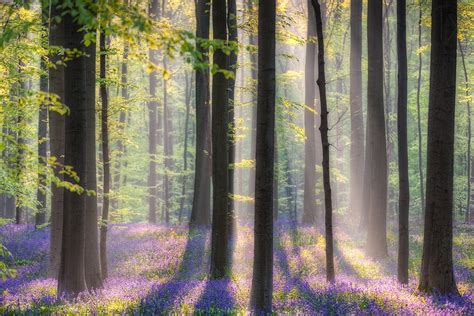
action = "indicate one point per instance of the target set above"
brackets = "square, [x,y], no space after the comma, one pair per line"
[158,269]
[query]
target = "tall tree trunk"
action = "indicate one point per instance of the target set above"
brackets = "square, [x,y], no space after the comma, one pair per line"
[357,114]
[403,183]
[168,146]
[152,126]
[220,143]
[437,261]
[200,214]
[57,144]
[92,255]
[324,129]
[376,146]
[418,111]
[309,204]
[40,216]
[187,100]
[470,162]
[232,65]
[105,155]
[20,212]
[262,278]
[253,128]
[72,279]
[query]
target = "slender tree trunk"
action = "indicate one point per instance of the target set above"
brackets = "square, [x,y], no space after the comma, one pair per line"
[357,115]
[92,255]
[262,278]
[40,216]
[105,155]
[200,214]
[168,146]
[220,143]
[470,162]
[324,129]
[309,200]
[376,146]
[20,211]
[57,145]
[253,128]
[403,183]
[418,111]
[72,279]
[437,261]
[187,101]
[152,126]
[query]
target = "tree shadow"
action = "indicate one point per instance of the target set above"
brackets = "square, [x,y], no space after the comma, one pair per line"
[217,297]
[165,297]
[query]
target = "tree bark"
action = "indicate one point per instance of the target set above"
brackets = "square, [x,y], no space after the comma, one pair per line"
[72,279]
[152,126]
[418,111]
[220,144]
[200,214]
[92,255]
[105,155]
[357,114]
[57,145]
[324,129]
[168,146]
[437,261]
[403,183]
[376,146]
[187,101]
[309,200]
[262,278]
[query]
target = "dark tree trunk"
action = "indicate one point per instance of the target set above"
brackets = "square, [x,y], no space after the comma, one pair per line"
[357,115]
[105,155]
[403,183]
[152,126]
[418,111]
[72,279]
[92,255]
[262,278]
[324,129]
[309,204]
[57,143]
[437,261]
[232,65]
[376,146]
[40,216]
[253,128]
[200,214]
[20,217]
[220,143]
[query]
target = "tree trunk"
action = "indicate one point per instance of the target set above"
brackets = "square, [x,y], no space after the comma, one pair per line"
[469,138]
[57,143]
[152,126]
[40,216]
[357,114]
[92,255]
[437,261]
[105,155]
[232,65]
[200,214]
[72,279]
[187,101]
[253,128]
[220,143]
[418,111]
[262,278]
[309,204]
[376,146]
[403,183]
[168,146]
